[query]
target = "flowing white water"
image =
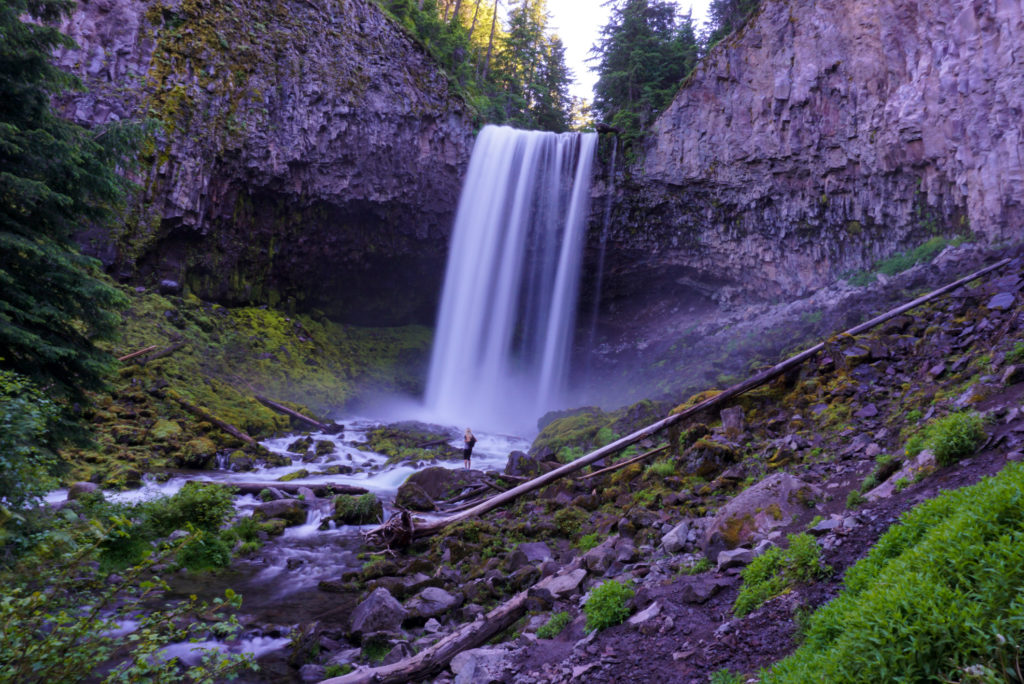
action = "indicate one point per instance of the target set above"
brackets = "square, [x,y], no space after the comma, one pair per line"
[504,332]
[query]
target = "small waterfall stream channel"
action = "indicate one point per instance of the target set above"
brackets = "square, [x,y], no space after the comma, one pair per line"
[281,583]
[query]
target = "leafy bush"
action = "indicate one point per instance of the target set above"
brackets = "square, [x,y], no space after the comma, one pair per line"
[726,676]
[589,541]
[703,565]
[937,596]
[28,458]
[778,570]
[854,499]
[570,520]
[955,436]
[607,605]
[204,551]
[554,626]
[1016,355]
[203,505]
[364,509]
[59,612]
[661,469]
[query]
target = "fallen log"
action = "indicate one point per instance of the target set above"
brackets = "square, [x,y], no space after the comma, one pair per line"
[137,353]
[435,658]
[226,427]
[166,351]
[623,464]
[753,382]
[319,488]
[331,429]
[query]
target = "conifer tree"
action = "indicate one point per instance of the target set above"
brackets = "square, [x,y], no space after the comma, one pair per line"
[643,55]
[55,178]
[726,16]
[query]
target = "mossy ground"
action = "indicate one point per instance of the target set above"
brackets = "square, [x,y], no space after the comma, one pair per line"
[227,357]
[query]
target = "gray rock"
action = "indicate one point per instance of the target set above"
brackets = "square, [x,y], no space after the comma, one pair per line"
[826,526]
[311,672]
[1001,301]
[529,553]
[733,421]
[379,612]
[734,558]
[479,665]
[567,583]
[431,602]
[647,614]
[700,588]
[292,511]
[676,539]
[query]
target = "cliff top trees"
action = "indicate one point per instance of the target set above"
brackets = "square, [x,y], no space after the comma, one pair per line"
[55,177]
[644,53]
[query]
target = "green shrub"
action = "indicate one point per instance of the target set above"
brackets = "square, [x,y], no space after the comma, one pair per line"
[589,541]
[914,416]
[703,565]
[955,436]
[28,458]
[554,626]
[570,520]
[778,570]
[364,509]
[204,551]
[607,605]
[266,495]
[726,676]
[661,469]
[854,499]
[936,597]
[53,630]
[1016,355]
[203,505]
[901,484]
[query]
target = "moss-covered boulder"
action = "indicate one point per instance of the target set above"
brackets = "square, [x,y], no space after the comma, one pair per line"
[414,497]
[774,502]
[413,441]
[198,453]
[708,457]
[294,475]
[576,429]
[164,430]
[291,511]
[441,483]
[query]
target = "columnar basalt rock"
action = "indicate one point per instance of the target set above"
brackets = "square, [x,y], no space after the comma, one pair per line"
[308,151]
[823,136]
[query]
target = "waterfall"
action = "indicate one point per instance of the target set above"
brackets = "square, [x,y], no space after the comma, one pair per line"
[600,255]
[504,332]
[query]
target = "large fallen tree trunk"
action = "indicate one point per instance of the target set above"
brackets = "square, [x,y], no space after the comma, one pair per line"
[433,526]
[319,488]
[627,462]
[331,429]
[467,636]
[204,415]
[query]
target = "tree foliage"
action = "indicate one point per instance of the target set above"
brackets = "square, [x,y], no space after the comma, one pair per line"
[727,16]
[55,178]
[643,55]
[514,74]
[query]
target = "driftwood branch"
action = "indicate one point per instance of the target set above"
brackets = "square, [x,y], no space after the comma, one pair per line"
[467,636]
[226,427]
[331,429]
[623,464]
[138,353]
[753,382]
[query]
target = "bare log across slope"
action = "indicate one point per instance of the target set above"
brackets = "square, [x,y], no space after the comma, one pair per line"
[318,488]
[753,382]
[204,415]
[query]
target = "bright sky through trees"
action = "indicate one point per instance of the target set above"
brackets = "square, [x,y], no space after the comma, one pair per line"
[578,23]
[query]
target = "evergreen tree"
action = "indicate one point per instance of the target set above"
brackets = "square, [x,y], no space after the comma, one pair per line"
[643,55]
[55,177]
[726,16]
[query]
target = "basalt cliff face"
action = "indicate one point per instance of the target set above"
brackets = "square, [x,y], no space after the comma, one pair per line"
[310,153]
[823,136]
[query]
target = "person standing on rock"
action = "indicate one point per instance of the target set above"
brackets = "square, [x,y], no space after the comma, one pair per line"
[470,441]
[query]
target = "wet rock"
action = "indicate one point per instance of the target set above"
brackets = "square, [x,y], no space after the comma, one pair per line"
[769,504]
[431,602]
[291,511]
[379,612]
[168,286]
[80,489]
[412,496]
[528,466]
[311,672]
[441,483]
[295,475]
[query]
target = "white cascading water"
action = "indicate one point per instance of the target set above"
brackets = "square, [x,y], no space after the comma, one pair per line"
[504,333]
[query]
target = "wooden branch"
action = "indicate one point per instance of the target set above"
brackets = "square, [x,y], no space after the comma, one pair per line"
[226,427]
[751,383]
[331,429]
[138,353]
[623,464]
[166,351]
[435,658]
[319,488]
[432,443]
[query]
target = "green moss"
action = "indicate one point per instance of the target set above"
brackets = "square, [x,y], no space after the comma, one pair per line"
[297,475]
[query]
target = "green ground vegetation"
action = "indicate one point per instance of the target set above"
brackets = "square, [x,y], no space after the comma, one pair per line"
[778,570]
[608,605]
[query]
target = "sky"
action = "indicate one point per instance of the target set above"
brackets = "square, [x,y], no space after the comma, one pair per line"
[579,22]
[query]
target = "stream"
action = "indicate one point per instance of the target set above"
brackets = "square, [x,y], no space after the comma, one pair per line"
[280,583]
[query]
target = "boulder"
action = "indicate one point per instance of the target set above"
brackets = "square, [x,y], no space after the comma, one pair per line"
[529,553]
[700,588]
[431,602]
[529,466]
[707,457]
[412,496]
[675,540]
[733,421]
[734,558]
[291,511]
[771,503]
[567,583]
[924,462]
[440,483]
[379,612]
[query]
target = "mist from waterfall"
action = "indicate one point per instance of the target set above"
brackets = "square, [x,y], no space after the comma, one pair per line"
[504,333]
